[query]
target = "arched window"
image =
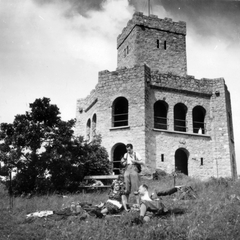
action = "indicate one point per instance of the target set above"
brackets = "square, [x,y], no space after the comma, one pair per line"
[120,112]
[180,111]
[160,115]
[88,130]
[198,116]
[94,125]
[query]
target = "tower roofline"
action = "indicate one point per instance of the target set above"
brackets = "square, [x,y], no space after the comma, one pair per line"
[151,21]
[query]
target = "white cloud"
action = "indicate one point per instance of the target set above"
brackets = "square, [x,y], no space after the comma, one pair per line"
[43,53]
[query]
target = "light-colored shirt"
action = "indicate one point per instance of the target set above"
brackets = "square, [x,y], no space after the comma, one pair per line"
[146,197]
[134,156]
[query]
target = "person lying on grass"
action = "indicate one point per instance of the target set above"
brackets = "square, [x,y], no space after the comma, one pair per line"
[117,199]
[148,204]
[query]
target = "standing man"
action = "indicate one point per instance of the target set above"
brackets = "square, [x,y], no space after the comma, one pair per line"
[132,162]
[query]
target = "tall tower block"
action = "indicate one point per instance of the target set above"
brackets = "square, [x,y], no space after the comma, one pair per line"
[158,43]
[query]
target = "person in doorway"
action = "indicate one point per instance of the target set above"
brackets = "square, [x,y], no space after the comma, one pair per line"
[132,162]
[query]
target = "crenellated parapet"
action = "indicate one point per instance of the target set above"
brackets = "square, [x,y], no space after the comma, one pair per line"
[83,104]
[188,84]
[154,22]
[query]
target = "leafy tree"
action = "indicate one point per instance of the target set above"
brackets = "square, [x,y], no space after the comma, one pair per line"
[45,152]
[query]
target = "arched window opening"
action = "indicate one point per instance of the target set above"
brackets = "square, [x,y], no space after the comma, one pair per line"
[181,161]
[118,152]
[160,115]
[94,125]
[120,112]
[180,111]
[88,130]
[198,116]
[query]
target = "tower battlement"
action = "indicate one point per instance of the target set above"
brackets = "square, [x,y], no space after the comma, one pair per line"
[159,43]
[154,22]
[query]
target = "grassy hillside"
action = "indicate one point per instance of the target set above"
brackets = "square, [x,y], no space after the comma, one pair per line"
[214,215]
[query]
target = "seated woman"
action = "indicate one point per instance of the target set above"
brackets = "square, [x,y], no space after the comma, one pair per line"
[116,199]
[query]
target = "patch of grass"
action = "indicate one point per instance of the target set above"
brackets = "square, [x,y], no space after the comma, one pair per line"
[215,214]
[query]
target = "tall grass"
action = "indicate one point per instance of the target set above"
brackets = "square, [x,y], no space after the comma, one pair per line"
[214,215]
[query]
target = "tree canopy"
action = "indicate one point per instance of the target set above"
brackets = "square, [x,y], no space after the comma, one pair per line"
[45,152]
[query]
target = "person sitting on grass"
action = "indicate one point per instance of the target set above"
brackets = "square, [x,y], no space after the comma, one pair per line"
[148,204]
[117,199]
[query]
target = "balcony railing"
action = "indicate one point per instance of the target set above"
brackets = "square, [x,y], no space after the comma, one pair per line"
[180,125]
[120,120]
[160,123]
[199,127]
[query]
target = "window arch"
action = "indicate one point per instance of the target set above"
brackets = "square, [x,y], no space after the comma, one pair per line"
[88,130]
[120,112]
[198,116]
[180,111]
[160,115]
[94,125]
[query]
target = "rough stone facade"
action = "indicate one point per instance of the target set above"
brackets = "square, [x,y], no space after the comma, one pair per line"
[175,122]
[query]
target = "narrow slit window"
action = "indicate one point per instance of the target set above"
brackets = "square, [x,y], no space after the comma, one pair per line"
[157,43]
[162,157]
[127,50]
[201,163]
[165,45]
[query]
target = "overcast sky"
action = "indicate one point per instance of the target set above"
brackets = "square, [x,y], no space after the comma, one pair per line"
[55,48]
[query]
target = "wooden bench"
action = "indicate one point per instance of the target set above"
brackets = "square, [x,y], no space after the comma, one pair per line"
[101,177]
[98,177]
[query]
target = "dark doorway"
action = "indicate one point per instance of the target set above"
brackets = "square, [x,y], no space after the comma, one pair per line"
[118,153]
[181,161]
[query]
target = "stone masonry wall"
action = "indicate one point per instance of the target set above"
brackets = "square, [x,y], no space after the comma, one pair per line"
[128,59]
[221,138]
[212,146]
[202,86]
[151,21]
[142,89]
[140,39]
[85,109]
[231,135]
[128,83]
[166,142]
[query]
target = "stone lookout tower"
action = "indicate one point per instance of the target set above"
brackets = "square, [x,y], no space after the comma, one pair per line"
[175,122]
